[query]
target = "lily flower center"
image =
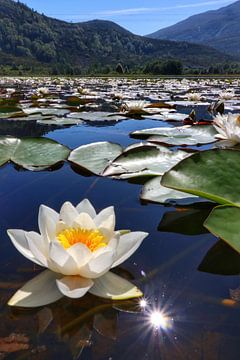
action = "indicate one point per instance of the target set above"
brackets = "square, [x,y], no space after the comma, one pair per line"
[93,239]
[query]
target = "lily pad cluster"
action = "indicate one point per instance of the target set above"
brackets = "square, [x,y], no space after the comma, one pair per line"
[67,102]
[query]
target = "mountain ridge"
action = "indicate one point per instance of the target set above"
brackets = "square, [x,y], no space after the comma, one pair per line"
[32,38]
[219,29]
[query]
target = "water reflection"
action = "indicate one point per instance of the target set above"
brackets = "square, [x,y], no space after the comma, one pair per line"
[25,128]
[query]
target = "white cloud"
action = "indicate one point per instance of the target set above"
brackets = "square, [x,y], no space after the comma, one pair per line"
[140,10]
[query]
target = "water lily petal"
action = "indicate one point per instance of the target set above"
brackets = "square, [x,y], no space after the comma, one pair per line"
[127,245]
[47,219]
[60,226]
[74,286]
[84,221]
[37,246]
[80,253]
[86,207]
[114,287]
[19,240]
[62,259]
[106,218]
[41,290]
[99,264]
[68,213]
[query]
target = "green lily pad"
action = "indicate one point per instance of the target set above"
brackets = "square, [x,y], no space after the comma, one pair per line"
[212,174]
[46,111]
[58,121]
[144,160]
[95,157]
[7,148]
[32,153]
[224,222]
[97,116]
[183,135]
[153,191]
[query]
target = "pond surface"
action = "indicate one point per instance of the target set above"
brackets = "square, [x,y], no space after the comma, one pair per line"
[199,315]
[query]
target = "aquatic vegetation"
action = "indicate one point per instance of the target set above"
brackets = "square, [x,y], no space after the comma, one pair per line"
[212,175]
[77,143]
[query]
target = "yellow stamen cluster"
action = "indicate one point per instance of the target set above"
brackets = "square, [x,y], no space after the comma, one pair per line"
[93,239]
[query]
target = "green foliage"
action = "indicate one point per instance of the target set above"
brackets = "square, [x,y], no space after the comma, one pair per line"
[55,47]
[213,175]
[167,67]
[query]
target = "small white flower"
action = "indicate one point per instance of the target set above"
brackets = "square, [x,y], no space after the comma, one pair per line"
[137,106]
[228,128]
[79,247]
[227,95]
[194,97]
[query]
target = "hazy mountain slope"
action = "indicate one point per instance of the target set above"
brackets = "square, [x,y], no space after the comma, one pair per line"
[218,28]
[25,34]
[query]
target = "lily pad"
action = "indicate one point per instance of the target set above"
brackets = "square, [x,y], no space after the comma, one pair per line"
[95,157]
[153,191]
[212,174]
[144,159]
[183,135]
[32,153]
[97,116]
[59,121]
[224,222]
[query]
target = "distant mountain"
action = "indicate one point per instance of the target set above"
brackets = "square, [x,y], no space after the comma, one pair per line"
[219,29]
[32,39]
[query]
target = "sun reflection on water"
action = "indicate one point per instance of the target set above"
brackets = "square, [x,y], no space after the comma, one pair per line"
[155,316]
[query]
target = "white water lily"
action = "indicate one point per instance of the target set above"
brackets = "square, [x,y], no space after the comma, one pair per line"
[227,95]
[79,247]
[228,128]
[137,106]
[194,97]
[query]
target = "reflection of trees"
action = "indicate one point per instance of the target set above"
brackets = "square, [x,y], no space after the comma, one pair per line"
[24,128]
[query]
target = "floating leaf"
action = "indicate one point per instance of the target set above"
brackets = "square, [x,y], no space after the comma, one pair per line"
[144,159]
[7,148]
[212,174]
[97,116]
[31,153]
[59,121]
[153,191]
[183,135]
[224,222]
[95,157]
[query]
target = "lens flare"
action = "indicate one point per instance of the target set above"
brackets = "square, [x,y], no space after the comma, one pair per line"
[143,303]
[159,320]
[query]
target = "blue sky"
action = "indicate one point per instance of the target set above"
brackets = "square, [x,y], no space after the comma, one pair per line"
[139,16]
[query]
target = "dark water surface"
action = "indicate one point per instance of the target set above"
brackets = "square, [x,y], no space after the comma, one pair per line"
[203,321]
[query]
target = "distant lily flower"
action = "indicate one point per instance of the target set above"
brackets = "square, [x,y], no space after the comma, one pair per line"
[43,90]
[138,106]
[194,97]
[227,95]
[228,128]
[79,247]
